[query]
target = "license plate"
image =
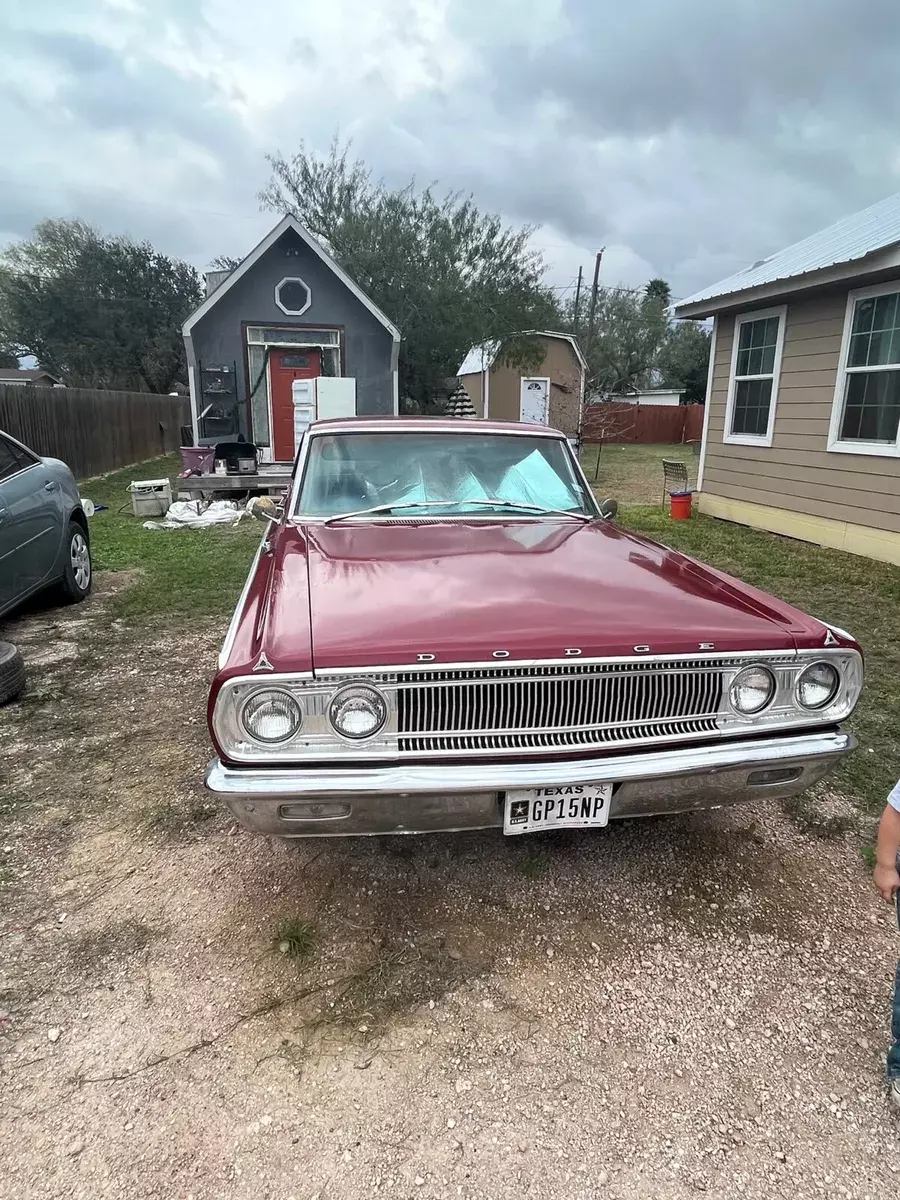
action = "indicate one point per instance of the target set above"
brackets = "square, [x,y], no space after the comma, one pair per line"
[569,806]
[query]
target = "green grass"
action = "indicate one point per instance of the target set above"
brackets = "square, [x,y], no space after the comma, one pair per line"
[855,593]
[294,938]
[183,572]
[634,474]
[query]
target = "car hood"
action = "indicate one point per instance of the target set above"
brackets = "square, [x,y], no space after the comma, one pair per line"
[385,594]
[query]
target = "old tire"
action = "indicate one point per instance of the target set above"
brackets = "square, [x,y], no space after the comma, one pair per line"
[78,574]
[12,672]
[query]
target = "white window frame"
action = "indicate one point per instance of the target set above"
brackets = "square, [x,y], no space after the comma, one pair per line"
[746,439]
[293,312]
[835,445]
[310,343]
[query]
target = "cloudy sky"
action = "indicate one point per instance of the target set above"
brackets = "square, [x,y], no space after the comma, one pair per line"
[688,138]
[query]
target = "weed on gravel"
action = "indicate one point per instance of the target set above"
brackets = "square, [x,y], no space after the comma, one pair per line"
[396,980]
[294,938]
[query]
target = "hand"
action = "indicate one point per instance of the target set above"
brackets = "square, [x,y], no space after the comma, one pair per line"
[887,881]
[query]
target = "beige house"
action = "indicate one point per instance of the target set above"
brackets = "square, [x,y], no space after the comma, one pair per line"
[552,394]
[800,432]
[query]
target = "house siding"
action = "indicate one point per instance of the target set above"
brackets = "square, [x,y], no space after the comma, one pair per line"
[796,473]
[560,365]
[218,337]
[474,386]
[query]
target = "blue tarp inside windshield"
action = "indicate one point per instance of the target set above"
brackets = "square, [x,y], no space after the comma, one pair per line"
[532,481]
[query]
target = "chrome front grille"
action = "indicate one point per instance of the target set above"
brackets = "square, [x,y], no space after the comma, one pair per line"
[542,708]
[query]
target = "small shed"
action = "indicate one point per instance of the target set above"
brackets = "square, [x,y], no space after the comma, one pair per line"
[552,394]
[287,326]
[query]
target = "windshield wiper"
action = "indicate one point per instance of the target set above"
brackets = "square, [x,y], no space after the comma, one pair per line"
[537,508]
[514,504]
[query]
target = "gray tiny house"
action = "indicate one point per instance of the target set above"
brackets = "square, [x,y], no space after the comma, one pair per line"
[286,325]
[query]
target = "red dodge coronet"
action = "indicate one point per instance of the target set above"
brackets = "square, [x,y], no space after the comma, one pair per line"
[442,630]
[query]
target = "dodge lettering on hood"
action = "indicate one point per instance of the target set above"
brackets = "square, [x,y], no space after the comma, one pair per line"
[443,630]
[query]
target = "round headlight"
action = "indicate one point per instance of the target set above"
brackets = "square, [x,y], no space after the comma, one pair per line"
[271,716]
[358,711]
[751,690]
[817,685]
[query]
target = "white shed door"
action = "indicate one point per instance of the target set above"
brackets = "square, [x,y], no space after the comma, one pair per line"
[534,401]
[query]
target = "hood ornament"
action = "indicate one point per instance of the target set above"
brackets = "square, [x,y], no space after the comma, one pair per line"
[263,664]
[830,639]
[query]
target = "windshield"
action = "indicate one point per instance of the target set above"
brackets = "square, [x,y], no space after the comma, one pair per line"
[439,474]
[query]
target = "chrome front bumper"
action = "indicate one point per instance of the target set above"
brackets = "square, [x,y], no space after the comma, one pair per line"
[418,798]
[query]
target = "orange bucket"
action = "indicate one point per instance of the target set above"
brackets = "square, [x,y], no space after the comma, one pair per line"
[680,505]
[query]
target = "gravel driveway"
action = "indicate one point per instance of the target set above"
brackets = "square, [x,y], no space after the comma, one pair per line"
[672,1008]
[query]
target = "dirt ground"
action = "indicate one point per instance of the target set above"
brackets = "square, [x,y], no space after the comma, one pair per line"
[674,1008]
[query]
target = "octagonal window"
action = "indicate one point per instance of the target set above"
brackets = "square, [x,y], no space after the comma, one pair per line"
[293,296]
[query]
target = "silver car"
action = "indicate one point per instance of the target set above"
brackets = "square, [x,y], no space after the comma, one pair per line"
[44,540]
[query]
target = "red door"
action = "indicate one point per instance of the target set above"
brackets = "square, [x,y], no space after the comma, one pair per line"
[284,367]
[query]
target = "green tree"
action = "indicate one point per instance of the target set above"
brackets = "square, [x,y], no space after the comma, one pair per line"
[448,275]
[629,329]
[684,360]
[9,360]
[99,311]
[659,291]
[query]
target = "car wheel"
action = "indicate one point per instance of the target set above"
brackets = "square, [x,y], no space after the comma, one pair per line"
[12,672]
[78,574]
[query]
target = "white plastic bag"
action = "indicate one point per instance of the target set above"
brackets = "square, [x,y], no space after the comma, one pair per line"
[199,514]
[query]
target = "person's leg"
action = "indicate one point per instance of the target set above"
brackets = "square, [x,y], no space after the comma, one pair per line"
[893,1057]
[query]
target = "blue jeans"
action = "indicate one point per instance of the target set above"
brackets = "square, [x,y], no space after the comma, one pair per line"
[893,1056]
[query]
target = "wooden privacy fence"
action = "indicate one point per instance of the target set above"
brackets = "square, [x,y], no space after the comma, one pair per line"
[645,424]
[93,431]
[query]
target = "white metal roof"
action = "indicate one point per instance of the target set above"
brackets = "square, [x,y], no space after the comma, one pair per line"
[849,239]
[479,358]
[482,358]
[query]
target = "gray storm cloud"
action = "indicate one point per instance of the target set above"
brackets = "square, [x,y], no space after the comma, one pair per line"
[697,137]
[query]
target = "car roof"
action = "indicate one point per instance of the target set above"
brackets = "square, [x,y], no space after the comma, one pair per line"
[429,425]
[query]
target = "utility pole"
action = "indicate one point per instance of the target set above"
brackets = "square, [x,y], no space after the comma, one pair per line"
[592,312]
[593,308]
[577,298]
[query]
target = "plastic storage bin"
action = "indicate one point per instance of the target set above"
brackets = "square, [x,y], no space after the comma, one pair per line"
[197,458]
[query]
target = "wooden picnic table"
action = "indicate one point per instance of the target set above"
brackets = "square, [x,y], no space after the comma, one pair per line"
[262,481]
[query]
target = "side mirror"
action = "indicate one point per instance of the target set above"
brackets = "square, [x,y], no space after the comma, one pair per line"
[264,508]
[608,509]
